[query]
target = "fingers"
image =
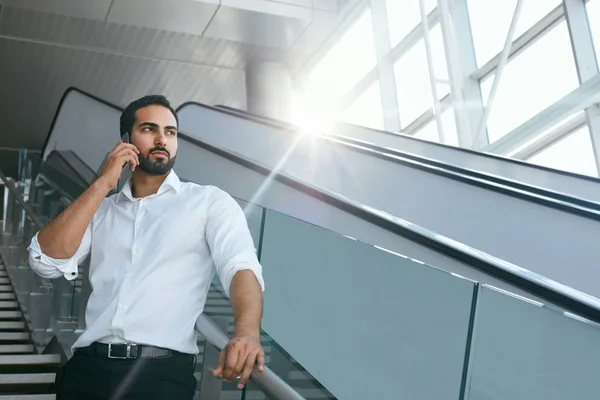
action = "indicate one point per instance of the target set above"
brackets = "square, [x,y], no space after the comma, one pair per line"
[128,156]
[133,162]
[238,359]
[221,364]
[122,145]
[260,360]
[229,373]
[128,152]
[248,367]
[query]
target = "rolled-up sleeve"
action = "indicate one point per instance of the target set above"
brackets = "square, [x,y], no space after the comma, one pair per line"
[230,240]
[48,267]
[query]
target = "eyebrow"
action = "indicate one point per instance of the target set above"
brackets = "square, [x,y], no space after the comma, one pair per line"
[153,125]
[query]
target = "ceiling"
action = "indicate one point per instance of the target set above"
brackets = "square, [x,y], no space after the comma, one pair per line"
[120,50]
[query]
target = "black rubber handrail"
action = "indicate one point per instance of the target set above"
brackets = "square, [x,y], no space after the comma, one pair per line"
[545,197]
[562,296]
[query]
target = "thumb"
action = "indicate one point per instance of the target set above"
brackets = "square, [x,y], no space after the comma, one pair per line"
[221,364]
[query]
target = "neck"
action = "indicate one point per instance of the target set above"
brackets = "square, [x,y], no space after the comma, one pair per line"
[144,184]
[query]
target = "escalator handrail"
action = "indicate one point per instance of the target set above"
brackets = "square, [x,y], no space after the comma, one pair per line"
[563,296]
[514,184]
[264,119]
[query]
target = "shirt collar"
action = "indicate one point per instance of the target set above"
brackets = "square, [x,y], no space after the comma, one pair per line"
[171,182]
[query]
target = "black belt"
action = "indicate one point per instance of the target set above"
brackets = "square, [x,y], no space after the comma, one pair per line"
[126,351]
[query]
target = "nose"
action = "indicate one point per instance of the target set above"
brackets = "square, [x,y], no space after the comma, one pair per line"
[161,140]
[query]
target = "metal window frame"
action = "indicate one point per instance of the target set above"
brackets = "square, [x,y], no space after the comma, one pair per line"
[584,53]
[465,97]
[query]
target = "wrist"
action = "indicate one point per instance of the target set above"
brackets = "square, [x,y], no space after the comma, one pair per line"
[247,331]
[102,185]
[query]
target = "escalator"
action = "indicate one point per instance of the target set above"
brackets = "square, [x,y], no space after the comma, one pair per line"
[371,305]
[532,227]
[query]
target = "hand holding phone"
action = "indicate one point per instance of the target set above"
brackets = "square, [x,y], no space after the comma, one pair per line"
[122,154]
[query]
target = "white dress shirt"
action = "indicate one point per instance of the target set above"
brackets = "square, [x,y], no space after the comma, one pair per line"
[153,260]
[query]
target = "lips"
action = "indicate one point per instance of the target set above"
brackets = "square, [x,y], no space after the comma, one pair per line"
[160,153]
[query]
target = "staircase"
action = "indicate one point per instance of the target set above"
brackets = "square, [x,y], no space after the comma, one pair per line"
[23,374]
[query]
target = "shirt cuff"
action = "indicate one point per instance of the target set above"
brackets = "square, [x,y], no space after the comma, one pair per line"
[45,265]
[240,263]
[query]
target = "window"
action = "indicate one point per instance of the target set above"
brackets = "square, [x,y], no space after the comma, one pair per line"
[403,16]
[573,153]
[367,110]
[593,12]
[532,81]
[430,131]
[412,77]
[342,68]
[490,21]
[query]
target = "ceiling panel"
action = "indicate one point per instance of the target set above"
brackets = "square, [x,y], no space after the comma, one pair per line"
[256,28]
[183,16]
[131,40]
[37,76]
[95,9]
[278,8]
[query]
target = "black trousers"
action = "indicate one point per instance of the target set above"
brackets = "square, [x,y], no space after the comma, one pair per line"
[93,377]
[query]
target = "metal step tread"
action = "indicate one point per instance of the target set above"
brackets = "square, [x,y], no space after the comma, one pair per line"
[15,348]
[4,280]
[14,336]
[12,325]
[18,379]
[28,397]
[7,296]
[4,305]
[10,314]
[30,359]
[6,288]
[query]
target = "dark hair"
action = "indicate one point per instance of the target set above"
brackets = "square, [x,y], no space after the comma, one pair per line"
[128,115]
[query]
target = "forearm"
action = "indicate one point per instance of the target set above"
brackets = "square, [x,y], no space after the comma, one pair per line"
[62,237]
[247,303]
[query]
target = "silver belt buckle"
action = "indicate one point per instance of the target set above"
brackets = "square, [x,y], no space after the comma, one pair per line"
[127,354]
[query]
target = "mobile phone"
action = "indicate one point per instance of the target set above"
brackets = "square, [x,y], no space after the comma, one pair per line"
[125,139]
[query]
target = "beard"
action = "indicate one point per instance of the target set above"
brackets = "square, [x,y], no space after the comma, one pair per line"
[159,166]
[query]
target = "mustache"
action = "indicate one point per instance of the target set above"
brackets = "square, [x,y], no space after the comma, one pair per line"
[159,149]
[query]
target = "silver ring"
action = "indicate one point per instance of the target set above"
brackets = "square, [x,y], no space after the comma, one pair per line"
[237,377]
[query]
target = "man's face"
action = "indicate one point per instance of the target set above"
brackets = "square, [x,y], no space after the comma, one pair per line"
[154,133]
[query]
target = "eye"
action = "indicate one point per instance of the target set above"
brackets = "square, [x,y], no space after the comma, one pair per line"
[172,133]
[146,129]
